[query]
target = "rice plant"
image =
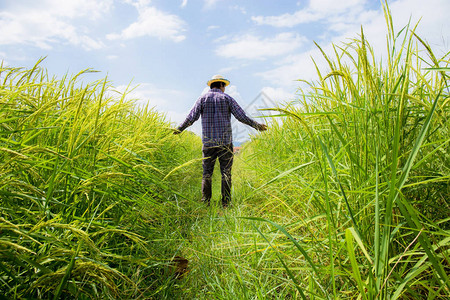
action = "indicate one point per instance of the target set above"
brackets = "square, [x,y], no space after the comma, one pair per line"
[369,209]
[82,194]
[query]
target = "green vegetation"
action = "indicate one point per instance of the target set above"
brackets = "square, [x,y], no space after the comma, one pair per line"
[361,167]
[84,191]
[345,196]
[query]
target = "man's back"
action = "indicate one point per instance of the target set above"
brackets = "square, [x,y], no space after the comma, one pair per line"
[215,107]
[216,117]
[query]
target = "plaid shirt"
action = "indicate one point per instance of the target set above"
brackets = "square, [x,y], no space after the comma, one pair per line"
[216,108]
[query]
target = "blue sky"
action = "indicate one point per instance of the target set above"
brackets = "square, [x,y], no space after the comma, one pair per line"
[169,49]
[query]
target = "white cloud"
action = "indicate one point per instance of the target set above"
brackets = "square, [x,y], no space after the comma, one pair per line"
[184,3]
[315,11]
[292,68]
[239,8]
[287,20]
[278,94]
[433,27]
[205,90]
[138,3]
[210,3]
[251,47]
[154,23]
[174,104]
[228,69]
[330,7]
[212,27]
[45,23]
[434,20]
[168,102]
[213,4]
[233,92]
[163,100]
[147,93]
[77,8]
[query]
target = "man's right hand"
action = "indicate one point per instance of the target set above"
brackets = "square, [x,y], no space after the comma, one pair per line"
[262,127]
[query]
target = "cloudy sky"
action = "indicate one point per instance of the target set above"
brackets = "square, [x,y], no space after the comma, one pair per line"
[169,49]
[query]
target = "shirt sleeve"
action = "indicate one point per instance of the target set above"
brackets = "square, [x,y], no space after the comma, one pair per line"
[193,115]
[240,115]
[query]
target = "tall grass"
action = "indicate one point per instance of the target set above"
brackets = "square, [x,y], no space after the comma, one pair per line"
[345,197]
[84,201]
[361,164]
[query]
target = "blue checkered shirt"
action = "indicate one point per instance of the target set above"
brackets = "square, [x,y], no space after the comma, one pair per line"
[215,107]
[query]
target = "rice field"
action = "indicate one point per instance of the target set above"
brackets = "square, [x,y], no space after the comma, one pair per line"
[87,185]
[362,170]
[346,196]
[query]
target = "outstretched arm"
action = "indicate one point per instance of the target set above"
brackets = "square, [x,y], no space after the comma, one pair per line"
[193,116]
[240,114]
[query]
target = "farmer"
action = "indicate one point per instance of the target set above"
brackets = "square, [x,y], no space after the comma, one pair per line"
[215,107]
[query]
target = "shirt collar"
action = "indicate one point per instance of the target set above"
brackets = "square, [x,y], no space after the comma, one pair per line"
[216,90]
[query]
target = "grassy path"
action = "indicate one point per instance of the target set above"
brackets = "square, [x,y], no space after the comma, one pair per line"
[228,258]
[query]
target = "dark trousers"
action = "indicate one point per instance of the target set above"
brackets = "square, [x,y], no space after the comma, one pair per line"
[225,156]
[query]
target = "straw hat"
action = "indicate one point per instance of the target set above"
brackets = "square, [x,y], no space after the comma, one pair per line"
[218,78]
